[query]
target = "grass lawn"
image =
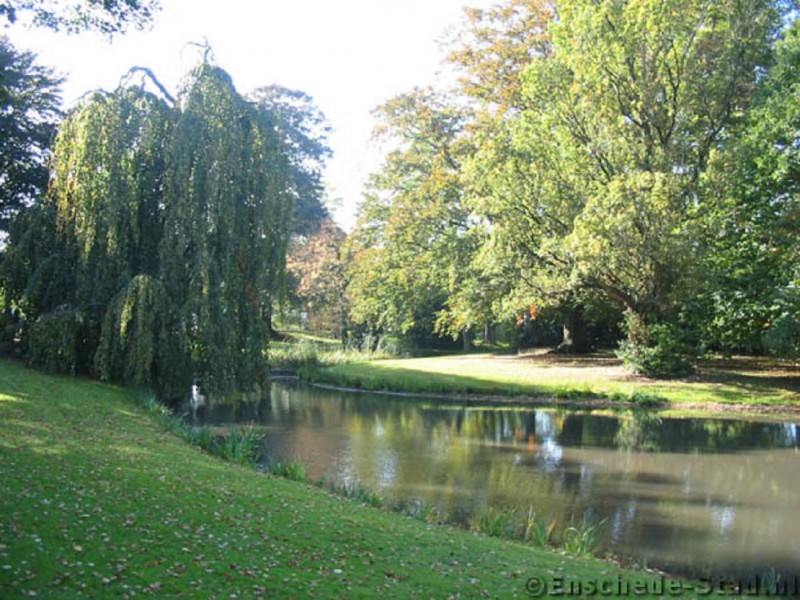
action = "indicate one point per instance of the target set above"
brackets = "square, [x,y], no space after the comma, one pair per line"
[98,501]
[755,382]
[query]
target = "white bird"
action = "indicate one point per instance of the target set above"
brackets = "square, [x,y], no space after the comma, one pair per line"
[196,399]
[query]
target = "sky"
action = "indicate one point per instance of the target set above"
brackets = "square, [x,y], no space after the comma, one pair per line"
[349,55]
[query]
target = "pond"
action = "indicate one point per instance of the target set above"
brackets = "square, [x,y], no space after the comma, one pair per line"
[704,497]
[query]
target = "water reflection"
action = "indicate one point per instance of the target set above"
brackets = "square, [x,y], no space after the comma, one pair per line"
[706,496]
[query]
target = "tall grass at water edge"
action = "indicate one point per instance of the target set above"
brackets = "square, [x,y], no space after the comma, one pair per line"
[582,538]
[240,444]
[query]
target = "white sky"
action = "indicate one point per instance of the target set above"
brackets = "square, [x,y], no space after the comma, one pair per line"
[350,55]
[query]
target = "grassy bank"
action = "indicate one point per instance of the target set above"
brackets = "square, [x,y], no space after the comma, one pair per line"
[99,500]
[751,381]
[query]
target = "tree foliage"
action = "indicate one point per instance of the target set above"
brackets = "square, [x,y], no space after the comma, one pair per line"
[410,247]
[226,218]
[29,113]
[304,130]
[749,301]
[317,279]
[600,187]
[167,228]
[497,46]
[621,122]
[640,154]
[106,16]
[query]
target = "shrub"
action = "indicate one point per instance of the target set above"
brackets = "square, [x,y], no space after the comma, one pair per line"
[53,344]
[660,350]
[241,445]
[355,491]
[783,335]
[294,470]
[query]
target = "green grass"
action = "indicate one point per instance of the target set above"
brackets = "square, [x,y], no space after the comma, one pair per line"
[99,500]
[756,382]
[305,356]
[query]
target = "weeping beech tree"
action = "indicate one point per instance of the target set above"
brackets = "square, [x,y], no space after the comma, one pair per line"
[171,220]
[227,208]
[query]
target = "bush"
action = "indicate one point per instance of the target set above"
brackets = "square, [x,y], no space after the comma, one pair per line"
[782,334]
[54,339]
[660,351]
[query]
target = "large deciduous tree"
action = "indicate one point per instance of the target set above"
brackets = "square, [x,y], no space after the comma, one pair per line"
[601,184]
[226,225]
[750,300]
[410,247]
[154,257]
[317,281]
[304,130]
[29,113]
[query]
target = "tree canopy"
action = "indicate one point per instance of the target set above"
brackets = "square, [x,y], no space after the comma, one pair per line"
[29,112]
[154,257]
[629,154]
[109,16]
[304,130]
[408,248]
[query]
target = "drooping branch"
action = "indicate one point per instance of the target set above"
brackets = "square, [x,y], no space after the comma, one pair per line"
[153,79]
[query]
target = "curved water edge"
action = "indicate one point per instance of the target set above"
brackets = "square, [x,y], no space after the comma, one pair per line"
[776,412]
[706,497]
[737,410]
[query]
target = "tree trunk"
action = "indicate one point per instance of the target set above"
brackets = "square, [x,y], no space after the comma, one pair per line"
[274,334]
[576,339]
[466,336]
[489,334]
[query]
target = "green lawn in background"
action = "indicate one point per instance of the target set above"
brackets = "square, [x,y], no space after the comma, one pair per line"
[756,382]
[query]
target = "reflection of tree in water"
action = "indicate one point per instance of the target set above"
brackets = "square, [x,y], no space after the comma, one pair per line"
[454,462]
[640,432]
[645,431]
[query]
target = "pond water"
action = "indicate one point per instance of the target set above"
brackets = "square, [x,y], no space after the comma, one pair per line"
[707,497]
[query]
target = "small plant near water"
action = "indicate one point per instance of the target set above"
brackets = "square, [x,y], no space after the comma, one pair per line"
[583,539]
[296,470]
[241,445]
[771,583]
[202,437]
[536,531]
[356,491]
[637,398]
[422,511]
[494,522]
[645,400]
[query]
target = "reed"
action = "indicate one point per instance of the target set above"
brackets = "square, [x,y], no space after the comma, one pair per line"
[356,491]
[295,470]
[241,445]
[583,538]
[536,531]
[494,522]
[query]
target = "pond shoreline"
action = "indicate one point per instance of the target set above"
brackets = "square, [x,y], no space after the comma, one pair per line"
[694,409]
[607,464]
[153,497]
